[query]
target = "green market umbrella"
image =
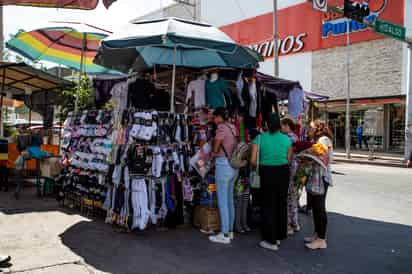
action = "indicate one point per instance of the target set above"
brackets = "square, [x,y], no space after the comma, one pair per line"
[144,58]
[173,41]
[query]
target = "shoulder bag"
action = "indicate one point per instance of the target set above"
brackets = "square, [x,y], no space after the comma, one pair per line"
[254,175]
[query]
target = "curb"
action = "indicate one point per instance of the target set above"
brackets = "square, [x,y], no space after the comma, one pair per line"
[371,163]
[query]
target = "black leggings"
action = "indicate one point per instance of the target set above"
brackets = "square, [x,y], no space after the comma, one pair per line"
[274,194]
[320,217]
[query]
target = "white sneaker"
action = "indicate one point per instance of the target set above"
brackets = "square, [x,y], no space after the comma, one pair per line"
[207,231]
[4,259]
[269,246]
[231,236]
[220,239]
[278,243]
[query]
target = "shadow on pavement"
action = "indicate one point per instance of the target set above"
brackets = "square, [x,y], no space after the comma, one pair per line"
[355,246]
[28,203]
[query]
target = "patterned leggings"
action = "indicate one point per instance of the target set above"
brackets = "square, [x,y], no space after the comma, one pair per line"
[293,197]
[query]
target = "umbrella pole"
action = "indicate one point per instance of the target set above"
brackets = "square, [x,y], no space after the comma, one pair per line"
[76,104]
[31,106]
[3,83]
[172,96]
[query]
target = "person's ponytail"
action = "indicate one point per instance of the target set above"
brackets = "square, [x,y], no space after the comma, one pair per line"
[273,123]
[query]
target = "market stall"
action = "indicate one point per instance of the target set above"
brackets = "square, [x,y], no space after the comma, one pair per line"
[39,90]
[142,156]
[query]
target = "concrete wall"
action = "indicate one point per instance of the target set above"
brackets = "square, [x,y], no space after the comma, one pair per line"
[375,70]
[297,67]
[174,10]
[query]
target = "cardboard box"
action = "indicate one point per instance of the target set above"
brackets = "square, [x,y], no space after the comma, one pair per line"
[50,167]
[207,218]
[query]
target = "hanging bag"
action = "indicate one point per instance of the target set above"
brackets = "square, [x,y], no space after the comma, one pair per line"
[254,175]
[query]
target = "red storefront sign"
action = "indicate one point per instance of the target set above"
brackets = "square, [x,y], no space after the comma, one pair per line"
[303,29]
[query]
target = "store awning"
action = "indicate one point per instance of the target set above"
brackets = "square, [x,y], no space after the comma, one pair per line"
[20,79]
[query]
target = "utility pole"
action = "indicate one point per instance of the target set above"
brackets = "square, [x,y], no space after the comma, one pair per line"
[275,38]
[1,59]
[408,117]
[1,34]
[347,120]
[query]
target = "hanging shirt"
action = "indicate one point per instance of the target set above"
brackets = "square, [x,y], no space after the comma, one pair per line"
[215,94]
[296,102]
[119,96]
[253,100]
[239,88]
[196,90]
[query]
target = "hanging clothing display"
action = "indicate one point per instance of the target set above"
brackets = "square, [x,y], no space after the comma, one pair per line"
[269,104]
[140,93]
[119,94]
[102,90]
[239,89]
[86,148]
[141,211]
[253,104]
[196,93]
[296,102]
[218,94]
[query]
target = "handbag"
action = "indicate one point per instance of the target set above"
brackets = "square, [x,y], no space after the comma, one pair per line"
[254,175]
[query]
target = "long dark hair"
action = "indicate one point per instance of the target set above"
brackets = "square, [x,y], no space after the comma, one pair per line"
[222,112]
[320,129]
[273,123]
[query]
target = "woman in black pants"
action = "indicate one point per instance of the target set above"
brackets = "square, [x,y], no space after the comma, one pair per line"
[322,135]
[271,151]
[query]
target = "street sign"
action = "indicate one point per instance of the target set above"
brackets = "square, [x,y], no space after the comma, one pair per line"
[390,29]
[321,5]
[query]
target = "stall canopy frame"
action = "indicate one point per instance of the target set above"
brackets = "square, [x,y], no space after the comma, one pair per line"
[21,80]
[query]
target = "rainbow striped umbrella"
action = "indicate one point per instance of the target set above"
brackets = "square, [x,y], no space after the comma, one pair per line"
[62,4]
[62,45]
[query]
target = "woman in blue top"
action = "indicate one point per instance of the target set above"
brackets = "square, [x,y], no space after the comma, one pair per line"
[275,152]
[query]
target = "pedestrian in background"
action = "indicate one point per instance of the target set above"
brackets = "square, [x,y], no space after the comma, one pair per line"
[360,137]
[225,175]
[275,152]
[288,128]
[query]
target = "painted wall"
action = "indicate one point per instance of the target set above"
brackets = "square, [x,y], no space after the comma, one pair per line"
[297,67]
[304,32]
[238,10]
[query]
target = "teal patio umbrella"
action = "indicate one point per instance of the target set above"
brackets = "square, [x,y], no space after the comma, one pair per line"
[172,41]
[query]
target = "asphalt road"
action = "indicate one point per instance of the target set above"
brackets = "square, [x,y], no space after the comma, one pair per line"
[370,231]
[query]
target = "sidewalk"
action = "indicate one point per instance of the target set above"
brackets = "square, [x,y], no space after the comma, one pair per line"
[362,157]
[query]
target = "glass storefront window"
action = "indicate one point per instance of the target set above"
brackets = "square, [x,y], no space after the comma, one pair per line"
[397,128]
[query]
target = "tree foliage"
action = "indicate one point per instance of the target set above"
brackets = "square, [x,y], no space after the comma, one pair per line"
[86,98]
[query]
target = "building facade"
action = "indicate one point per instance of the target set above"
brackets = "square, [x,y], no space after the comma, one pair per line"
[312,48]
